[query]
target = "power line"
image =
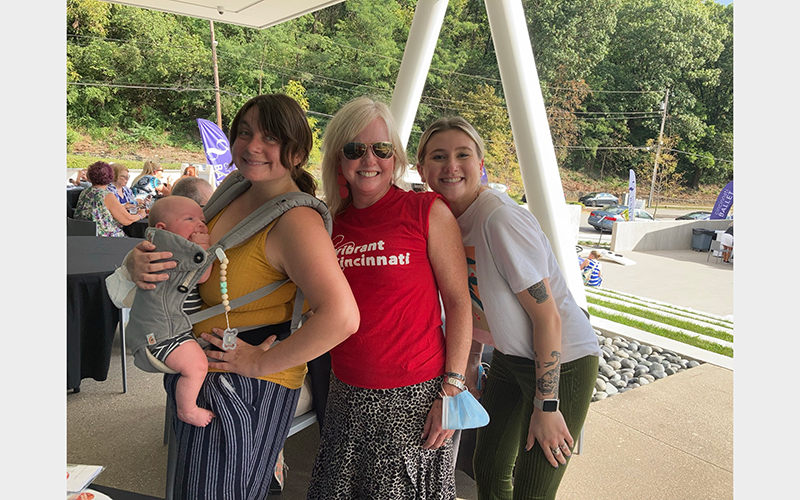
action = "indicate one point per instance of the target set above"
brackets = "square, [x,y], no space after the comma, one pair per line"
[697,155]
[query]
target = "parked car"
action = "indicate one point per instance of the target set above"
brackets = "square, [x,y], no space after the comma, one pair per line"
[598,199]
[699,215]
[603,220]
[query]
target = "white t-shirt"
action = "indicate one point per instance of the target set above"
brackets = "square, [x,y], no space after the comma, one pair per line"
[507,252]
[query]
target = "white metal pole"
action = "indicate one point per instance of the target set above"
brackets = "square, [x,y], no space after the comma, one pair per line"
[422,38]
[535,152]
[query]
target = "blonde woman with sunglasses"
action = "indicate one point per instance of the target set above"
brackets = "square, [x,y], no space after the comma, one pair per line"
[149,183]
[382,436]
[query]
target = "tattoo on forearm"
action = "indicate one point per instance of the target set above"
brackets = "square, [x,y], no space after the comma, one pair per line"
[547,384]
[538,292]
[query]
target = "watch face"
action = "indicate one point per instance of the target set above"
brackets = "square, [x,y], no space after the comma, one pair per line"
[550,405]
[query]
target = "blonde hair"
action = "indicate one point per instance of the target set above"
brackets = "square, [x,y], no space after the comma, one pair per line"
[443,125]
[149,168]
[118,169]
[348,122]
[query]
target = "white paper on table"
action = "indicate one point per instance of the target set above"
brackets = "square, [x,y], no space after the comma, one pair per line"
[81,476]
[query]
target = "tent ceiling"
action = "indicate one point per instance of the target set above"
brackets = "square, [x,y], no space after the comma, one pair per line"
[251,13]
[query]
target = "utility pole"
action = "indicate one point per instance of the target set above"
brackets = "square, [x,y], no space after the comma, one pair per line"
[216,75]
[658,149]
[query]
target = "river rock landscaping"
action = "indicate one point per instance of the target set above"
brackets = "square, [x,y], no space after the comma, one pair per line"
[627,364]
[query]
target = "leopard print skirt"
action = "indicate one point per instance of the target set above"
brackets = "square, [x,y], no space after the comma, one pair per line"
[371,446]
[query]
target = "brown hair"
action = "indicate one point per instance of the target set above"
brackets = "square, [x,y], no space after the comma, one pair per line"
[283,117]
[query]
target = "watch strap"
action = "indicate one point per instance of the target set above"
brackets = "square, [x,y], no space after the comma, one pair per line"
[546,405]
[455,382]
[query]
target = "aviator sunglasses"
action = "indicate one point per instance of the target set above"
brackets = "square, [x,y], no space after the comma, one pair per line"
[355,150]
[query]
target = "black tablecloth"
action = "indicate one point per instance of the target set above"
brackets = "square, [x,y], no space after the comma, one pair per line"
[91,316]
[136,229]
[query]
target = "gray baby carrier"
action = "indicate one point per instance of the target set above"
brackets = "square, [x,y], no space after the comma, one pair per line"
[157,315]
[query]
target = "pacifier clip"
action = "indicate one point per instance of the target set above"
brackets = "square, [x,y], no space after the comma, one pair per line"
[229,335]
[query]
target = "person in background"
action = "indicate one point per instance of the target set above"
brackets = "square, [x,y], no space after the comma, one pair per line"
[79,180]
[591,270]
[149,183]
[119,187]
[195,188]
[383,436]
[96,203]
[545,359]
[234,456]
[190,171]
[726,240]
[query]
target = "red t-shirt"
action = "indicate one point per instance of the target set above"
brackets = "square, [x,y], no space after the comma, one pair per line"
[383,251]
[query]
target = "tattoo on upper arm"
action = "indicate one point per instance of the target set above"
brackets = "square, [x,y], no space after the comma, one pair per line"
[539,292]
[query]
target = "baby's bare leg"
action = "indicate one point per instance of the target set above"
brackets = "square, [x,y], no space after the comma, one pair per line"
[190,361]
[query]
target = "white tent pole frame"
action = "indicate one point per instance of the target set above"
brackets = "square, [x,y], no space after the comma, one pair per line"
[534,144]
[422,38]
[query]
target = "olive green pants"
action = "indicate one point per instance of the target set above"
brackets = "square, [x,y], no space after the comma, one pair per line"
[503,469]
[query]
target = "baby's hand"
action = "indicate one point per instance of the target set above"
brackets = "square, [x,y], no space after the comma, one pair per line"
[202,239]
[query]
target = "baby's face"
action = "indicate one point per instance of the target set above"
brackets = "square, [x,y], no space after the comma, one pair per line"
[186,218]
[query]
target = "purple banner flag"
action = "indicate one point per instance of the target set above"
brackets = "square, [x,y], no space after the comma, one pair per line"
[631,195]
[724,202]
[218,150]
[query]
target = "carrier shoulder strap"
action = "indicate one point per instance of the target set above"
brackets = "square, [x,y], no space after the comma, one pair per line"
[233,186]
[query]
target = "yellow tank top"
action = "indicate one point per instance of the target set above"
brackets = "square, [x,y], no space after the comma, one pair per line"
[248,270]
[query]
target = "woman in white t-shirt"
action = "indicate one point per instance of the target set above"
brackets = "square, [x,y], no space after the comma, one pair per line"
[520,300]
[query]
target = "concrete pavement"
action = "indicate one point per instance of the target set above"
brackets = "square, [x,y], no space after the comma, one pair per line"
[683,278]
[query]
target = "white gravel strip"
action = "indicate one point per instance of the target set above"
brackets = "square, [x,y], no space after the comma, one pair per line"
[663,305]
[667,312]
[662,325]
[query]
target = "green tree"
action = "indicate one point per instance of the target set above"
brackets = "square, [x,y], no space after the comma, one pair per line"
[667,178]
[570,38]
[662,44]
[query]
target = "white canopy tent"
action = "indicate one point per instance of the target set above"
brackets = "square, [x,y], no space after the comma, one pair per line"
[518,74]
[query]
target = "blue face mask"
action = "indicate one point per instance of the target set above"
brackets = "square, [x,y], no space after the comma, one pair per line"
[463,411]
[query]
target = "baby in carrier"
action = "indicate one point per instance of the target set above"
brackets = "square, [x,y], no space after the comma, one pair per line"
[180,351]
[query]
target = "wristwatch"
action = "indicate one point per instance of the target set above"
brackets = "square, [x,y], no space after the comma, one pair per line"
[547,405]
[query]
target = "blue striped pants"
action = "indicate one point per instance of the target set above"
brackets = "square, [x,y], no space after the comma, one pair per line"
[233,457]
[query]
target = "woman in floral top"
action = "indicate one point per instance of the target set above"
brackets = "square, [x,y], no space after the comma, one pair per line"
[98,204]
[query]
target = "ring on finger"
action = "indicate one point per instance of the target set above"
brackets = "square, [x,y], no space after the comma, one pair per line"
[555,451]
[563,445]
